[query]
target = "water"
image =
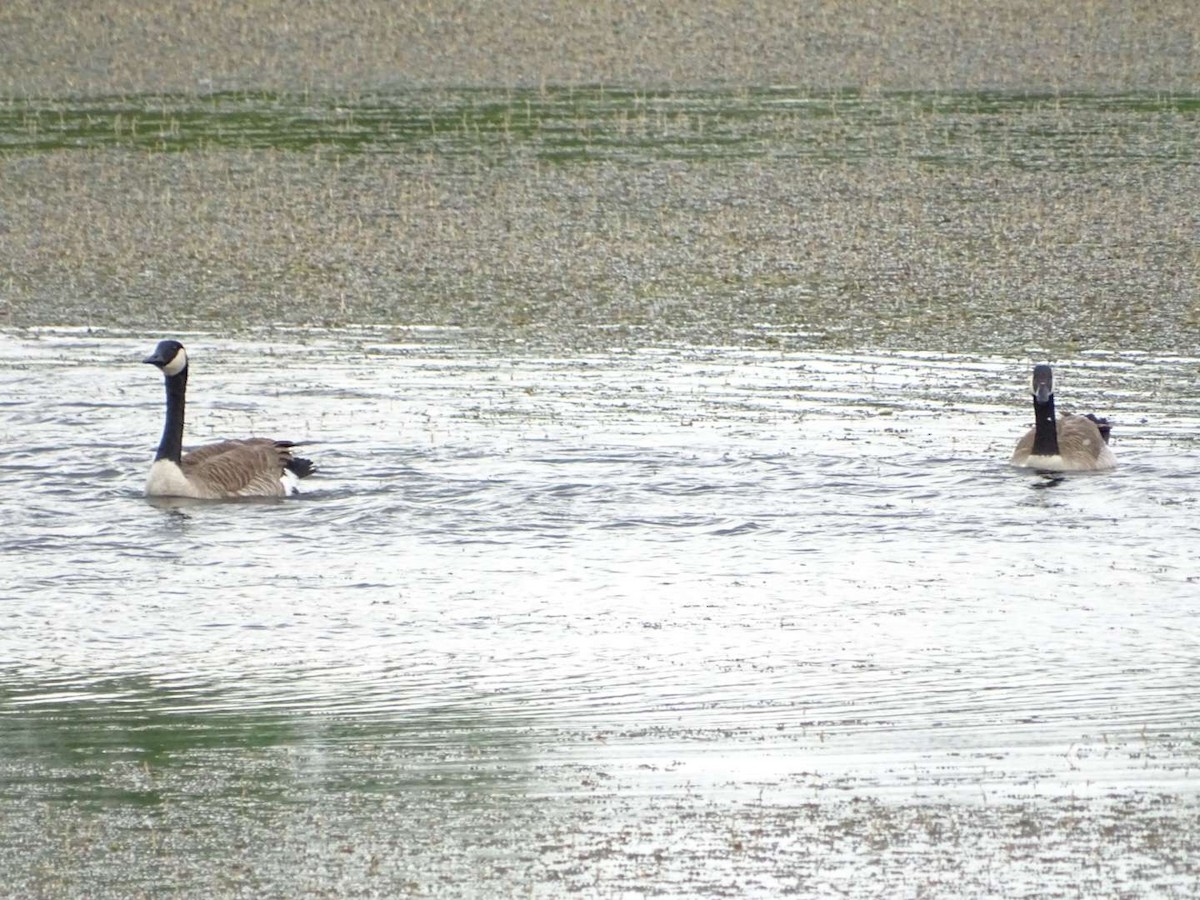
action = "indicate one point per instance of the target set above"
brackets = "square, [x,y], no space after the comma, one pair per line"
[720,620]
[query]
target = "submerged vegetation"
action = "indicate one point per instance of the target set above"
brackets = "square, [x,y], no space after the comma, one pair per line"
[576,217]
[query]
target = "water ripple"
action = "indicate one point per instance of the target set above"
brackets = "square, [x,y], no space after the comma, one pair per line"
[843,566]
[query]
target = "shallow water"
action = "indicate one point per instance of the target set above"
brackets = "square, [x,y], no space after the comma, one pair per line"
[712,619]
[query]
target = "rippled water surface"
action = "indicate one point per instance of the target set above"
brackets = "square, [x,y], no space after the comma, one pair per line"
[721,621]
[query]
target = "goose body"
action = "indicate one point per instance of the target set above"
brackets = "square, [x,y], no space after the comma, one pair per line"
[1061,444]
[253,467]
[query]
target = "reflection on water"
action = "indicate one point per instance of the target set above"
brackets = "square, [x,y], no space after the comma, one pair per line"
[583,584]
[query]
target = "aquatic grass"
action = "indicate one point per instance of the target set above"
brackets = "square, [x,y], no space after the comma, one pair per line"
[852,242]
[562,213]
[594,123]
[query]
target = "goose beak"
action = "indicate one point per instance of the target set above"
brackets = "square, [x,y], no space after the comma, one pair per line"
[163,354]
[1041,395]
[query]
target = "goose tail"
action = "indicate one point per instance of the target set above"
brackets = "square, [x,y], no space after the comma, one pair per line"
[297,465]
[300,467]
[1103,425]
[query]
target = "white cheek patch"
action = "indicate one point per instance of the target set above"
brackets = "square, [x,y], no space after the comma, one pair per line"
[177,364]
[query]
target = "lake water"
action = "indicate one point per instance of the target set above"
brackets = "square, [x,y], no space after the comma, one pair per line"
[679,620]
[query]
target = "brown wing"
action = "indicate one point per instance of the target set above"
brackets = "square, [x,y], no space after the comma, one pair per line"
[248,468]
[1081,443]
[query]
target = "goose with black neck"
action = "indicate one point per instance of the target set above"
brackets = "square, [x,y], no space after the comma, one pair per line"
[1068,443]
[249,467]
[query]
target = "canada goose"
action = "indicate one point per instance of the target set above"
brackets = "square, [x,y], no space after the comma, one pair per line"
[253,467]
[1070,444]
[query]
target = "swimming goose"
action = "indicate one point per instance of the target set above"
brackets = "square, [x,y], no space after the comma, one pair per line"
[253,467]
[1069,444]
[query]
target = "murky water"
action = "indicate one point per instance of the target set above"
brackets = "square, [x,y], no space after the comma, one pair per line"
[690,620]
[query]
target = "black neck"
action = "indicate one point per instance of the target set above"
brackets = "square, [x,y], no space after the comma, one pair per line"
[171,445]
[1045,439]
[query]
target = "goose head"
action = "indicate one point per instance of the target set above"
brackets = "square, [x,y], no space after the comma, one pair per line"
[169,356]
[1043,383]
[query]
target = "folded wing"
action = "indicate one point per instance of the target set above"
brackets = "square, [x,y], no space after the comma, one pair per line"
[243,468]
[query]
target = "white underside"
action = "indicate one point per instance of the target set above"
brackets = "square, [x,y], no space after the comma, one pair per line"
[1104,460]
[1048,463]
[291,484]
[167,480]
